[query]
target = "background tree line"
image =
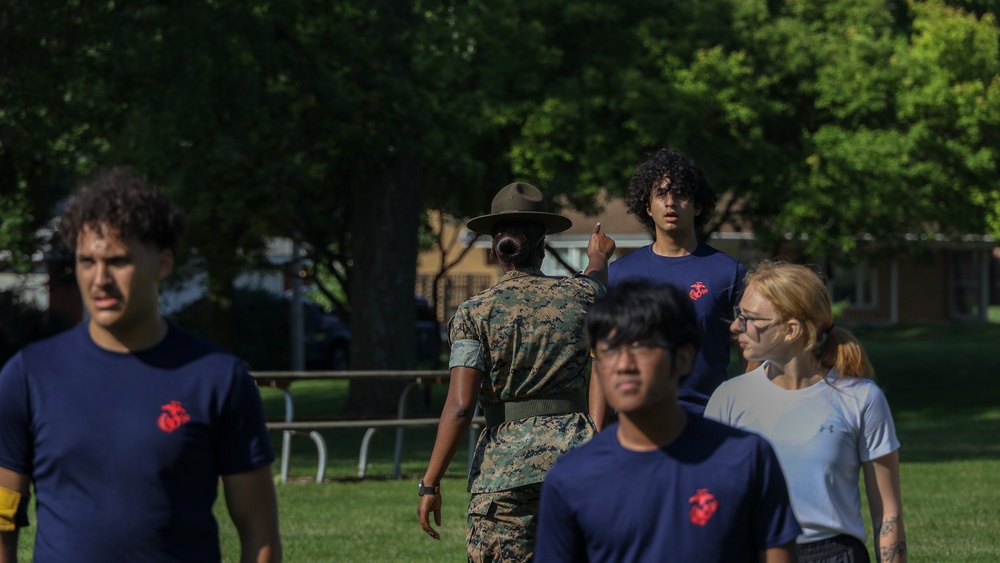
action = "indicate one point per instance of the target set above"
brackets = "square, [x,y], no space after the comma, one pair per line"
[343,121]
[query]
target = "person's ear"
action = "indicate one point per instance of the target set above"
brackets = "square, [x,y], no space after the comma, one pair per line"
[164,263]
[793,330]
[683,360]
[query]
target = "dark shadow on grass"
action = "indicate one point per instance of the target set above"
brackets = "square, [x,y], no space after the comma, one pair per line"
[940,381]
[935,435]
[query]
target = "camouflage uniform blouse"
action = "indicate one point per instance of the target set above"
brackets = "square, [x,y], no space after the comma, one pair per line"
[525,334]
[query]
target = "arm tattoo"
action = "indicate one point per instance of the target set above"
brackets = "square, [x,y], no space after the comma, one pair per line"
[888,527]
[888,553]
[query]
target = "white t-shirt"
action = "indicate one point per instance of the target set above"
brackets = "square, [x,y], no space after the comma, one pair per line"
[821,434]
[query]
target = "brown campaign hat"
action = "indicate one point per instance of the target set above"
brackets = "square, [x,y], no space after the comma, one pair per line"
[519,202]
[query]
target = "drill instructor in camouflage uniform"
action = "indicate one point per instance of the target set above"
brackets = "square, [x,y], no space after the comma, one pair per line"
[519,348]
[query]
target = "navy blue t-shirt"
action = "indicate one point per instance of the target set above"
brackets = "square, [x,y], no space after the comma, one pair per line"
[715,494]
[714,282]
[126,450]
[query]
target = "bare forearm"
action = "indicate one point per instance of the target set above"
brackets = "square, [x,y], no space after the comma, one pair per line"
[598,269]
[261,554]
[890,540]
[452,429]
[260,540]
[253,506]
[599,252]
[8,547]
[596,404]
[784,554]
[886,506]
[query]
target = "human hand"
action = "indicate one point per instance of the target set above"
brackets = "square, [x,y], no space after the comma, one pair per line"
[601,246]
[429,504]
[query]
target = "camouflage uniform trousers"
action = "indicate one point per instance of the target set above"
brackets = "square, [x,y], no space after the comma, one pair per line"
[502,524]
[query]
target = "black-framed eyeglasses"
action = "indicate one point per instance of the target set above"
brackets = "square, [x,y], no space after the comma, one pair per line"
[640,350]
[742,319]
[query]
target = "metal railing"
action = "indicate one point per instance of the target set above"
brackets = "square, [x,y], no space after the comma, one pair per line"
[283,380]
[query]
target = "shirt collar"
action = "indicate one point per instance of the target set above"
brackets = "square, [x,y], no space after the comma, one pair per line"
[521,272]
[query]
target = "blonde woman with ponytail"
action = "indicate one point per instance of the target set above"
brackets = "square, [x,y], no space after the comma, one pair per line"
[814,398]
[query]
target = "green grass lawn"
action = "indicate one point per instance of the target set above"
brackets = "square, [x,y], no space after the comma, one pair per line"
[941,382]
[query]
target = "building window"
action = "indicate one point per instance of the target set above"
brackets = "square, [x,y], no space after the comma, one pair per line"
[855,285]
[967,278]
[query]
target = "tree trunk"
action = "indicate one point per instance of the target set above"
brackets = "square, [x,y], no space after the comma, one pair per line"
[384,222]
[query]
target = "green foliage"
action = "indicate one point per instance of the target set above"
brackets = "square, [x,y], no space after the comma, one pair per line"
[901,125]
[839,307]
[16,221]
[830,121]
[328,292]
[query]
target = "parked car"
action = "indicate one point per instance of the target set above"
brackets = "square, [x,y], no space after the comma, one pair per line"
[328,338]
[432,338]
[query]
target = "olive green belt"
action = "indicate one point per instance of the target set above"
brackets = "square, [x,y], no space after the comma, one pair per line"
[542,406]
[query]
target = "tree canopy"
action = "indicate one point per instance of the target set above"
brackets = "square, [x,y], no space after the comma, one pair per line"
[341,121]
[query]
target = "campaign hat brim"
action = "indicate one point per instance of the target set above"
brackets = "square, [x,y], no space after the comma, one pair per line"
[519,202]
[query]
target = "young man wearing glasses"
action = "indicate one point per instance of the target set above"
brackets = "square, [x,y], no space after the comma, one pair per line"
[661,484]
[670,196]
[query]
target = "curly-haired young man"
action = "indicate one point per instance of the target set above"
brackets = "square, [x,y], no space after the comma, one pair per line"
[125,424]
[669,194]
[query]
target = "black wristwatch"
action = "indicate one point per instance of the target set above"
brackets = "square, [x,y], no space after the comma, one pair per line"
[422,490]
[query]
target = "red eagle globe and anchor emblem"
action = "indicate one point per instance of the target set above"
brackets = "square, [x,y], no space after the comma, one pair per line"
[704,505]
[697,290]
[172,417]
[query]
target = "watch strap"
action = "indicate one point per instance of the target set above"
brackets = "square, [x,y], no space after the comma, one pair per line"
[424,490]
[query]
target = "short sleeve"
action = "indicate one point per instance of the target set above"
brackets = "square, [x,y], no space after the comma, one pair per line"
[242,439]
[16,444]
[878,431]
[462,326]
[596,289]
[467,353]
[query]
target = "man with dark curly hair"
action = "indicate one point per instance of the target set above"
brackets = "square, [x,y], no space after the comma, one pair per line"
[671,197]
[125,424]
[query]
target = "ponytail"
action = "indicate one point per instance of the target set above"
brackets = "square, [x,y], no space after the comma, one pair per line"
[841,350]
